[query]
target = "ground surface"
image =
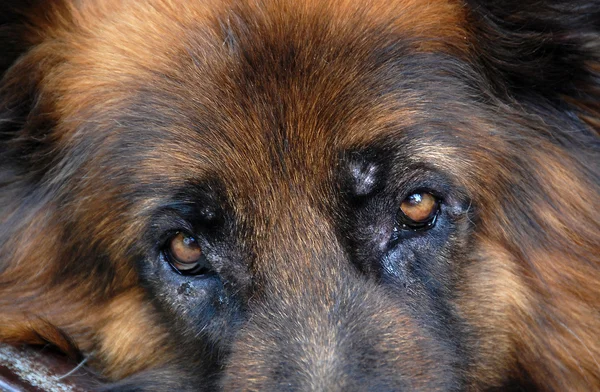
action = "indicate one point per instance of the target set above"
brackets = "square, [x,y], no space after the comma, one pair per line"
[25,369]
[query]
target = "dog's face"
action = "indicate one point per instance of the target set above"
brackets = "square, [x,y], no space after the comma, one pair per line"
[299,196]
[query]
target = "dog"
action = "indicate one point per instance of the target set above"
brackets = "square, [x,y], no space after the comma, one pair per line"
[323,195]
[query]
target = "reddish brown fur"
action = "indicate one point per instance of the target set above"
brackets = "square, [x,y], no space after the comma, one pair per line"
[529,295]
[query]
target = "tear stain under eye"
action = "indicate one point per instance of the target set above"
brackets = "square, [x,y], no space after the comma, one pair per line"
[396,263]
[187,289]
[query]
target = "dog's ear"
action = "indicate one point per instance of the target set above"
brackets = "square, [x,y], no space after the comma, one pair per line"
[24,117]
[15,88]
[542,49]
[13,30]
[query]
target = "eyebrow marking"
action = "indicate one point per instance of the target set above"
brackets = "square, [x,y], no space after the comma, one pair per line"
[364,176]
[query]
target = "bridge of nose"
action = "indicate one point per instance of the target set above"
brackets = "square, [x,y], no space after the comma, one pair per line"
[316,323]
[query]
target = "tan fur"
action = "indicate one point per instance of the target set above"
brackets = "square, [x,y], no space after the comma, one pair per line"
[533,304]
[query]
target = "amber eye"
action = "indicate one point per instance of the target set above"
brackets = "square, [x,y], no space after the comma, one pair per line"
[184,253]
[419,211]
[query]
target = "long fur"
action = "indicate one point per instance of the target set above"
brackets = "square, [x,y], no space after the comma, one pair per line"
[300,126]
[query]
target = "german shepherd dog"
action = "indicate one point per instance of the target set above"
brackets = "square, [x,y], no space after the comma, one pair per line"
[304,195]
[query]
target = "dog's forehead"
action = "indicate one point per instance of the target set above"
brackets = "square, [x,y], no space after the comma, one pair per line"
[210,48]
[248,89]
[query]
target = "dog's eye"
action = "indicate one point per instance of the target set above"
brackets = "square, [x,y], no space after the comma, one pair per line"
[185,255]
[418,211]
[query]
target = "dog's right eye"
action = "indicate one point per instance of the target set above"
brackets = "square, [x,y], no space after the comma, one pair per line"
[419,211]
[185,255]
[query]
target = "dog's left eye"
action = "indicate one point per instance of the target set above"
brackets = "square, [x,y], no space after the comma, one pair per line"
[418,211]
[185,255]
